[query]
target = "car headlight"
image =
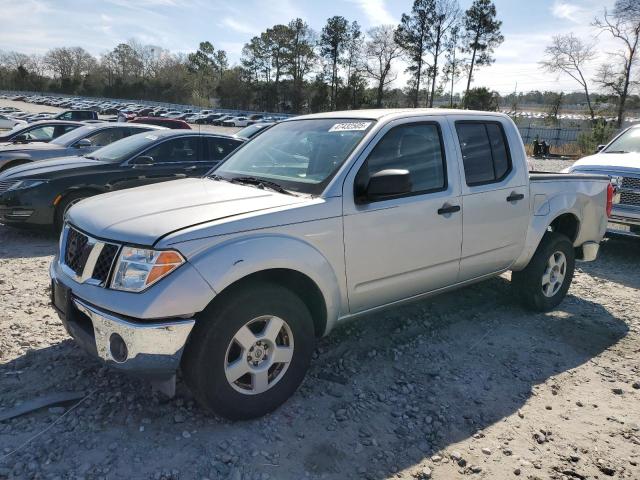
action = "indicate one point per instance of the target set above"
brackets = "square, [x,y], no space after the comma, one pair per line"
[139,268]
[22,184]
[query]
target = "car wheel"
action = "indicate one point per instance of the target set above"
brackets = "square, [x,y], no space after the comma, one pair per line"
[250,351]
[544,283]
[63,207]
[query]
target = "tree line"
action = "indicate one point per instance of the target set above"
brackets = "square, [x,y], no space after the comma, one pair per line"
[291,68]
[288,67]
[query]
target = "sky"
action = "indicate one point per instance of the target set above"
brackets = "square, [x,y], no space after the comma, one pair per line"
[34,26]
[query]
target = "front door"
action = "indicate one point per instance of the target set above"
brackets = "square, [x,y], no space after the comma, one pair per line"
[401,247]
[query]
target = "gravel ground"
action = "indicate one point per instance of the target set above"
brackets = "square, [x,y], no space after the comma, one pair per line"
[465,385]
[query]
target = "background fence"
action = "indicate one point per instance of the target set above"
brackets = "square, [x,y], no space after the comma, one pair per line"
[552,135]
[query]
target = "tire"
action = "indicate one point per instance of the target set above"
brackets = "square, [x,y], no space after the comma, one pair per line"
[229,379]
[61,209]
[544,283]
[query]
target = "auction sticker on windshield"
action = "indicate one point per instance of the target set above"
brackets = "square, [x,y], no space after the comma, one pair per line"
[350,127]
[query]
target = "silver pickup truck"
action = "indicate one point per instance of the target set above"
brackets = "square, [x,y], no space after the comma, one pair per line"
[320,219]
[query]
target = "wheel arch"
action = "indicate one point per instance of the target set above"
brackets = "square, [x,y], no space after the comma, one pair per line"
[282,259]
[299,283]
[565,222]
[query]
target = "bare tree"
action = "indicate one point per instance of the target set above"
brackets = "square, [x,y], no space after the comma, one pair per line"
[446,15]
[570,55]
[624,25]
[380,51]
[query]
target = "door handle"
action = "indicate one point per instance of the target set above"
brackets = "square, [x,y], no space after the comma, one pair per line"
[514,197]
[190,169]
[446,208]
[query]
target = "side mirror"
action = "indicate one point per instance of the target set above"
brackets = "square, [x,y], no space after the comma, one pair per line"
[142,161]
[22,138]
[84,143]
[386,184]
[599,148]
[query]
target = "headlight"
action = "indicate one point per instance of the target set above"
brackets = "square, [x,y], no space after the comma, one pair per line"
[22,184]
[566,170]
[139,268]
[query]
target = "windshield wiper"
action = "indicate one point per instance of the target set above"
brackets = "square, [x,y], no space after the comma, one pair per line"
[261,183]
[615,151]
[90,157]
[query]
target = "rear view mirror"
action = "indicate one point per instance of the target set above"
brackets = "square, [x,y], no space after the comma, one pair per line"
[599,148]
[84,143]
[22,138]
[387,184]
[143,160]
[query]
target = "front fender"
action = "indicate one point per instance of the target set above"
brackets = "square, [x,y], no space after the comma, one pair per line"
[237,258]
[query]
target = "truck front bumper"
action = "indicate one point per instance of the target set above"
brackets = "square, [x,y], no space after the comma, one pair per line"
[151,349]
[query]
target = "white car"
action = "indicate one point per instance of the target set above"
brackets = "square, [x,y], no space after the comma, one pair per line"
[236,122]
[7,123]
[620,160]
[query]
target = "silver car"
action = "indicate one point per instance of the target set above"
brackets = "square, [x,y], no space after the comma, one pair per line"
[79,141]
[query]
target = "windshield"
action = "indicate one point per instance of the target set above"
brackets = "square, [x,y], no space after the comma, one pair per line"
[71,137]
[122,150]
[299,155]
[251,130]
[629,141]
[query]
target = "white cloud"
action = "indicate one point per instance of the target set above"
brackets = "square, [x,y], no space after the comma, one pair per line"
[237,26]
[376,12]
[567,11]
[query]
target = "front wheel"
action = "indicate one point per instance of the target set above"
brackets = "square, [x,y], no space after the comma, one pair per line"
[249,353]
[544,283]
[63,207]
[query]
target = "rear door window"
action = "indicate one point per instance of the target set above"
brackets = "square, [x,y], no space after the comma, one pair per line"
[107,136]
[485,152]
[183,149]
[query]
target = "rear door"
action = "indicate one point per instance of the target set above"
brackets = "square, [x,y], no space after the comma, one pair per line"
[495,196]
[408,245]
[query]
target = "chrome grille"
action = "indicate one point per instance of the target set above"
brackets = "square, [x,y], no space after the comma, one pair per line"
[630,182]
[7,184]
[86,259]
[630,191]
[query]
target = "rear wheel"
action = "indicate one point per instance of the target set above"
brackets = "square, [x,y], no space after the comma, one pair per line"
[544,283]
[249,353]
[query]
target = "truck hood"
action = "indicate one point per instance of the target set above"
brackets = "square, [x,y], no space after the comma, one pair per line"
[141,216]
[609,162]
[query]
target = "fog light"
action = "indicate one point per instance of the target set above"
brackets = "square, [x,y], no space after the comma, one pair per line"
[118,348]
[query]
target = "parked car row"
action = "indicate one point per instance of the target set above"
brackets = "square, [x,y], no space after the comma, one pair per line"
[126,111]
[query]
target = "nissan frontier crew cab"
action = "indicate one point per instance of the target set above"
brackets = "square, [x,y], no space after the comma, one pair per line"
[322,218]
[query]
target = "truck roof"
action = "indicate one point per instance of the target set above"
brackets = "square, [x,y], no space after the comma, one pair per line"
[377,114]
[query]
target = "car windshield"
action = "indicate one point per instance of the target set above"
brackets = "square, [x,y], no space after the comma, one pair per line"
[299,155]
[629,141]
[251,130]
[73,136]
[122,150]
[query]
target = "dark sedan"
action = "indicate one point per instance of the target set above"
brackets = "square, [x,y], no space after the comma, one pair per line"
[80,141]
[43,131]
[40,193]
